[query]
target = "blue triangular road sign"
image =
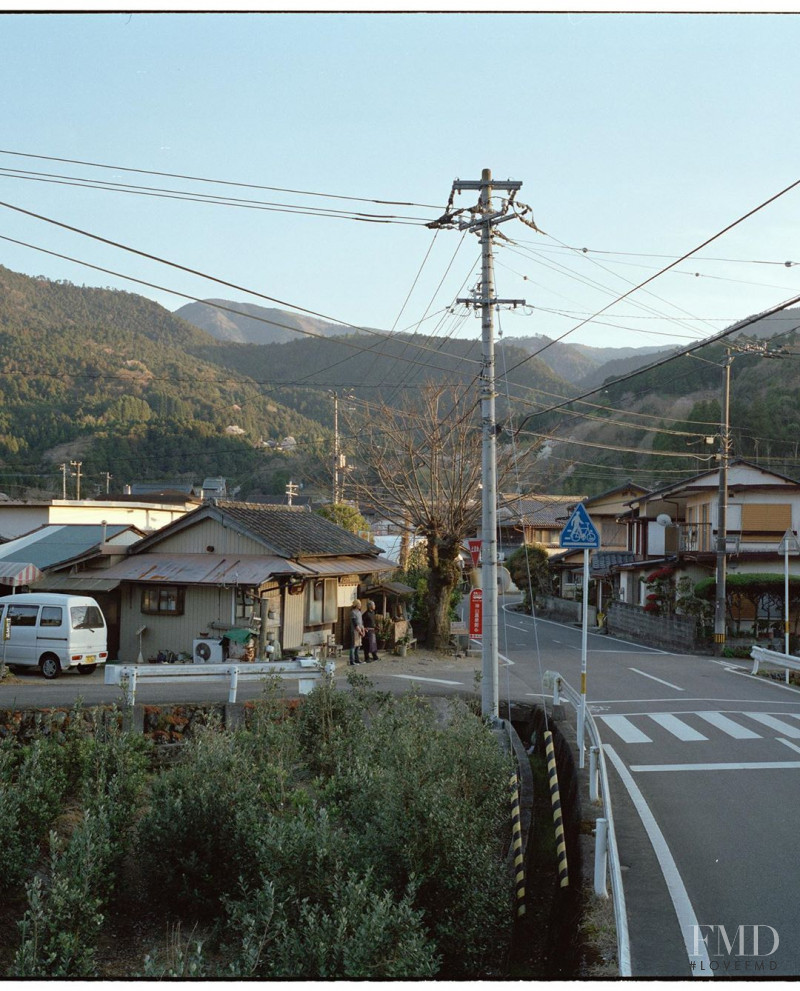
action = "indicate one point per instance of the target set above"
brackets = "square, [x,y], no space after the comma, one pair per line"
[579,531]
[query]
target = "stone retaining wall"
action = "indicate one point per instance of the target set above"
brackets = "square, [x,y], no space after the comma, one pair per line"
[631,622]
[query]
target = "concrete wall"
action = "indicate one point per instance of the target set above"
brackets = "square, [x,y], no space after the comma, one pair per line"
[565,610]
[633,623]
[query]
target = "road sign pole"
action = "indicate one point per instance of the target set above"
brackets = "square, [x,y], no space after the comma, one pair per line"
[584,653]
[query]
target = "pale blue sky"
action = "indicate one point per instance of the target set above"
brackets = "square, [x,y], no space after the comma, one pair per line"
[633,135]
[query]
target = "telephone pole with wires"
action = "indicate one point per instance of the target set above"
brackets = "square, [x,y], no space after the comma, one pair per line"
[482,219]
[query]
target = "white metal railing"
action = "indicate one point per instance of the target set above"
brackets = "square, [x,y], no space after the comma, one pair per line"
[307,671]
[605,837]
[762,655]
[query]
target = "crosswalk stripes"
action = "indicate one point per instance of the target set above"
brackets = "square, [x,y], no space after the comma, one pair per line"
[728,726]
[677,726]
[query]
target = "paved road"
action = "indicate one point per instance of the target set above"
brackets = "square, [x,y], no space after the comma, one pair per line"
[705,765]
[705,778]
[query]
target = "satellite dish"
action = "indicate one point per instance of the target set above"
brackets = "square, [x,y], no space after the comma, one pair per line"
[663,519]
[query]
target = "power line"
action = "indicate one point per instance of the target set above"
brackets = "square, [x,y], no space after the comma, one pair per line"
[224,182]
[215,200]
[677,261]
[384,337]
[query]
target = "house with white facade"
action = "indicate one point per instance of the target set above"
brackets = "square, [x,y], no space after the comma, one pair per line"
[678,525]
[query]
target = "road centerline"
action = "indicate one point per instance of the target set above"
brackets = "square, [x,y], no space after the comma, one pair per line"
[661,681]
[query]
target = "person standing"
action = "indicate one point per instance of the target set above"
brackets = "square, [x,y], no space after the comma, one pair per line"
[370,641]
[356,630]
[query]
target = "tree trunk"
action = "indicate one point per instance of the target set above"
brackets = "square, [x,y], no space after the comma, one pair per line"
[445,572]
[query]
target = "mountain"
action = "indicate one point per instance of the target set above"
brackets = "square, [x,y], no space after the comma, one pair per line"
[113,379]
[653,426]
[583,363]
[245,323]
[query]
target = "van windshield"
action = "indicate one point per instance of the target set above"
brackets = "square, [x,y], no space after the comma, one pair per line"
[86,618]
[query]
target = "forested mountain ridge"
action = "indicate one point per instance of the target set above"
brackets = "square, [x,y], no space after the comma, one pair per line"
[132,390]
[115,375]
[248,323]
[666,421]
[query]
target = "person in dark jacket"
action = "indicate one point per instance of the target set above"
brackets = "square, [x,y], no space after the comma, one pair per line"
[370,639]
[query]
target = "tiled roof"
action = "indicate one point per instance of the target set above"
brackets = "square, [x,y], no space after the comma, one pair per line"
[537,511]
[294,531]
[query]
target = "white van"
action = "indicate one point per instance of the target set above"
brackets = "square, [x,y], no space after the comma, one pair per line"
[52,632]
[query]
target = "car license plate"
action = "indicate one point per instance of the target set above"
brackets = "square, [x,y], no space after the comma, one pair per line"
[90,658]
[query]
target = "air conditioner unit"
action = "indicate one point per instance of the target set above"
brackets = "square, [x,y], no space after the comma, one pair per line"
[207,651]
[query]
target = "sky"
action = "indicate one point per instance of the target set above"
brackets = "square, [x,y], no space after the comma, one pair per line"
[637,138]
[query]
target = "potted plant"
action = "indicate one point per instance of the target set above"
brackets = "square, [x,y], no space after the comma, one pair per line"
[384,631]
[402,646]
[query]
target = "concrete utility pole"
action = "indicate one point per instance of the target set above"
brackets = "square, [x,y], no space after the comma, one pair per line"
[722,507]
[77,466]
[483,220]
[335,448]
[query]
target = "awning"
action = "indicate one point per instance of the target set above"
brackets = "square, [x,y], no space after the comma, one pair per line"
[363,564]
[78,584]
[16,573]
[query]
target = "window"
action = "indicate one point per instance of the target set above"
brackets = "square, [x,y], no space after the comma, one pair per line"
[244,605]
[164,601]
[765,523]
[51,616]
[86,618]
[23,615]
[321,601]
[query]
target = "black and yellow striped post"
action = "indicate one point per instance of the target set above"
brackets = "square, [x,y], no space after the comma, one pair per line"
[555,799]
[516,846]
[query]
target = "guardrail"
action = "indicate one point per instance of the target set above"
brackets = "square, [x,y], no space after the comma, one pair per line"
[307,671]
[605,837]
[762,655]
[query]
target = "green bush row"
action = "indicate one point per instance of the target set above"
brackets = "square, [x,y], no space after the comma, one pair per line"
[365,837]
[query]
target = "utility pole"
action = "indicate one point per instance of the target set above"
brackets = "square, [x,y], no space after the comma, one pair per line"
[63,468]
[291,491]
[483,220]
[77,466]
[336,489]
[722,507]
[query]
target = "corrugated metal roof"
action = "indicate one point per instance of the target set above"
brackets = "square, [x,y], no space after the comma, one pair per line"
[201,569]
[18,573]
[56,542]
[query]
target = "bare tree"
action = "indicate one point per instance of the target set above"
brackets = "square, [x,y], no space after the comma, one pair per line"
[421,468]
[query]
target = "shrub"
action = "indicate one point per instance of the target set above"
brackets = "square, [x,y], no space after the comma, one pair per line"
[63,919]
[33,782]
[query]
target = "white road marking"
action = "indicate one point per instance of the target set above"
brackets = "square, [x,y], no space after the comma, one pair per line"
[728,726]
[669,684]
[777,724]
[625,729]
[769,765]
[434,681]
[676,726]
[792,746]
[687,920]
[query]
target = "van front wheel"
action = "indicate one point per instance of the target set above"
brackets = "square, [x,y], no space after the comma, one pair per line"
[51,667]
[86,668]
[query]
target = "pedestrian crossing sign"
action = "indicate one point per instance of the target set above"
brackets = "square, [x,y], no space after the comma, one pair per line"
[579,531]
